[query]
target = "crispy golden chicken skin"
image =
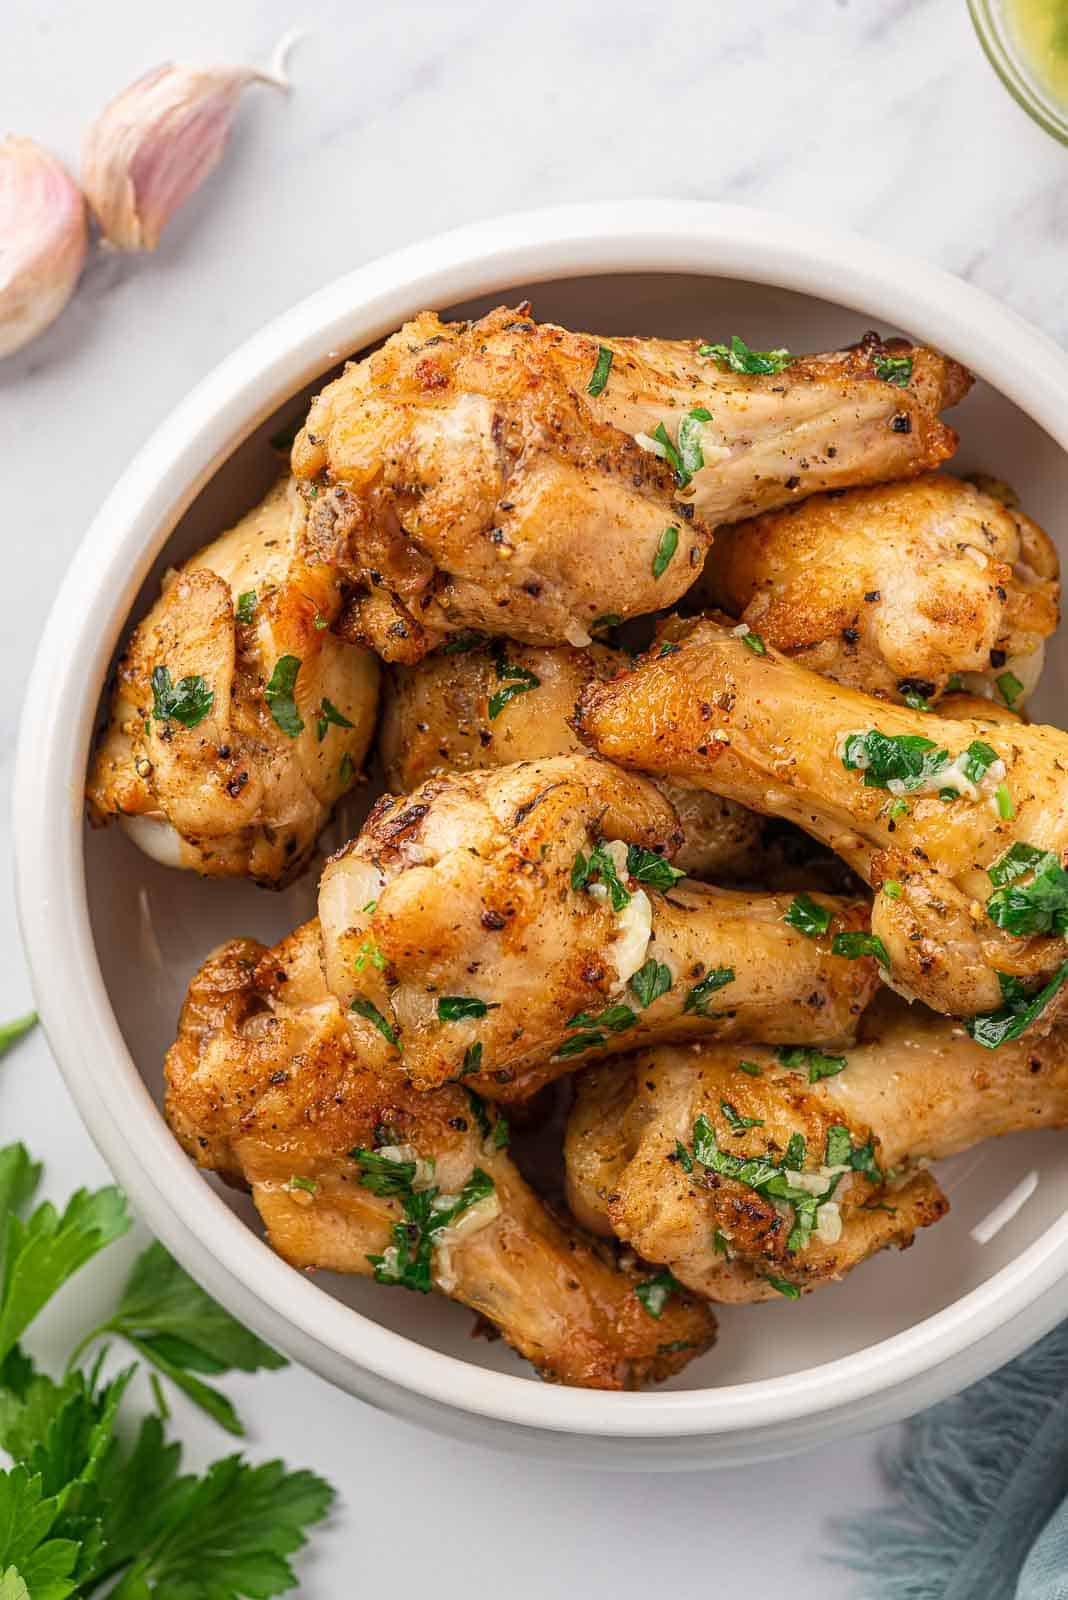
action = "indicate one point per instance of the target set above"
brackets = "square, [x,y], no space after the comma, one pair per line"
[204,763]
[894,589]
[916,1088]
[925,809]
[518,478]
[500,926]
[499,702]
[262,1087]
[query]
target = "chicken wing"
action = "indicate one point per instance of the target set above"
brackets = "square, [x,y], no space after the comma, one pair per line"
[518,478]
[898,590]
[746,1178]
[354,1172]
[238,718]
[494,704]
[500,926]
[961,827]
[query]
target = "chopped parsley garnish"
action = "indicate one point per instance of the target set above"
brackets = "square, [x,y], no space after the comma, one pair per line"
[668,649]
[369,952]
[279,695]
[683,1156]
[897,808]
[720,1243]
[306,1185]
[1006,809]
[977,758]
[655,1293]
[802,1058]
[458,1007]
[839,1146]
[408,1261]
[600,866]
[382,1175]
[854,945]
[615,1019]
[329,713]
[782,1286]
[807,917]
[751,1068]
[601,370]
[370,1013]
[863,1160]
[346,769]
[669,543]
[993,1028]
[609,619]
[1009,687]
[892,889]
[472,1059]
[478,1111]
[1040,906]
[245,609]
[698,997]
[736,1122]
[917,702]
[894,369]
[650,981]
[691,455]
[737,357]
[463,642]
[754,642]
[188,701]
[905,758]
[320,622]
[645,866]
[517,681]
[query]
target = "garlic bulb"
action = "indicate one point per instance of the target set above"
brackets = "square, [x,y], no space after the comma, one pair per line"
[157,141]
[43,240]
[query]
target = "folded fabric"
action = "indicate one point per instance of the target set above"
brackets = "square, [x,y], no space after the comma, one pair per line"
[980,1494]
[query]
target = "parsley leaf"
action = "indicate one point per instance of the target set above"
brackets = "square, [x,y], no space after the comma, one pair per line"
[517,680]
[329,713]
[601,370]
[1040,906]
[802,1058]
[788,1290]
[839,1146]
[655,1293]
[408,1261]
[1010,688]
[31,1563]
[905,758]
[894,369]
[691,456]
[737,357]
[665,550]
[854,945]
[245,609]
[462,643]
[370,1013]
[458,1007]
[976,759]
[651,980]
[279,696]
[12,1032]
[645,866]
[993,1028]
[736,1122]
[472,1059]
[180,1330]
[698,997]
[599,865]
[382,1175]
[41,1252]
[807,916]
[188,701]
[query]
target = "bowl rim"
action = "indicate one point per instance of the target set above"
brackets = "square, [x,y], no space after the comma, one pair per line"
[91,609]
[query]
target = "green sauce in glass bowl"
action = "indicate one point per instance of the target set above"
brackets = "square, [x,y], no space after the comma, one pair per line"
[1027,43]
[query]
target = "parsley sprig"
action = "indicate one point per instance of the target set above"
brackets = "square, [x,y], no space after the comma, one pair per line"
[738,357]
[407,1262]
[188,701]
[88,1503]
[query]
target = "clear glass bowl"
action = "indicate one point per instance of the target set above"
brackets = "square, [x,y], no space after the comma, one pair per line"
[1014,70]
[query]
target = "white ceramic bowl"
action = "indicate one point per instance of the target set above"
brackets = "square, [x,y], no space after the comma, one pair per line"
[112,938]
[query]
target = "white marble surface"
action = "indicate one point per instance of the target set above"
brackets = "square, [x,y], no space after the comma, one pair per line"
[405,119]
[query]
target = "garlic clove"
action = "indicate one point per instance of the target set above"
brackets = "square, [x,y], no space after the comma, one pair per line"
[157,141]
[43,240]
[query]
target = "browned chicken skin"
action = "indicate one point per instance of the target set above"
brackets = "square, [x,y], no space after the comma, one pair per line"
[894,589]
[222,786]
[262,1087]
[916,1089]
[495,924]
[776,737]
[465,476]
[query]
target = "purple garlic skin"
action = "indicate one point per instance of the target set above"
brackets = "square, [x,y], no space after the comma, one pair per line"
[43,240]
[156,142]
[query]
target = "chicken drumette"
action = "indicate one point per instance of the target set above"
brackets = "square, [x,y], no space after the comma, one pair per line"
[500,926]
[238,718]
[747,1178]
[960,827]
[898,590]
[521,479]
[354,1172]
